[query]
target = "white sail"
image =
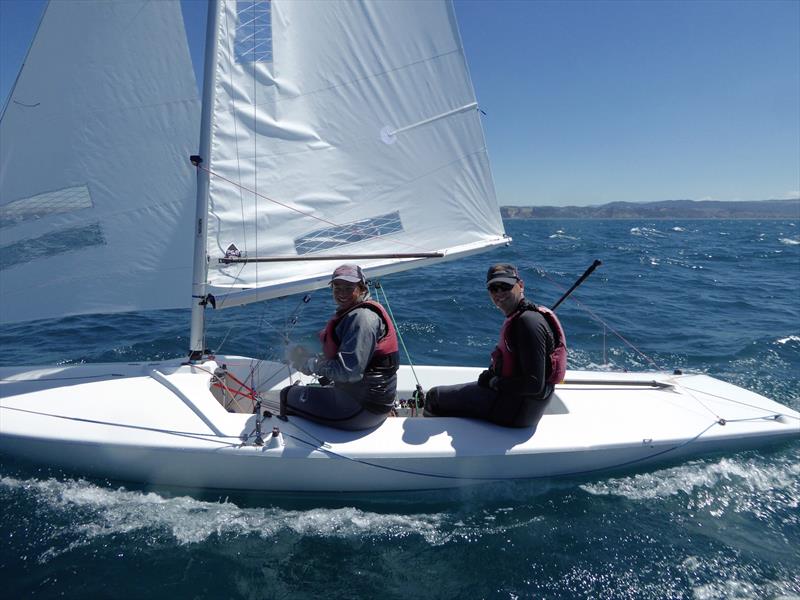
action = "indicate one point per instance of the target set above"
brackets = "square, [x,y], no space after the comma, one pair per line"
[341,128]
[96,193]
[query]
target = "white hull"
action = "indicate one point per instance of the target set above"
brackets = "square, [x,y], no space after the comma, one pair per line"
[158,423]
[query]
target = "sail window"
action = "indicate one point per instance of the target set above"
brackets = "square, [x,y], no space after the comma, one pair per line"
[253,31]
[51,244]
[349,233]
[42,205]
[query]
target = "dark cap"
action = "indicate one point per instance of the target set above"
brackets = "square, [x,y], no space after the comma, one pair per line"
[503,273]
[351,273]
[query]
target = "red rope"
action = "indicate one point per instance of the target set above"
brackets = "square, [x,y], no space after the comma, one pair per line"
[250,392]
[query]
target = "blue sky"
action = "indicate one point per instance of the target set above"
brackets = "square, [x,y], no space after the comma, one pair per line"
[593,102]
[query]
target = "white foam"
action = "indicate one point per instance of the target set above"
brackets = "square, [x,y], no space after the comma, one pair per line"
[647,232]
[730,581]
[791,338]
[790,241]
[741,590]
[96,512]
[748,476]
[107,512]
[560,235]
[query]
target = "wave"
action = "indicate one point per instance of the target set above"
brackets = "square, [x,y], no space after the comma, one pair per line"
[560,235]
[750,483]
[647,232]
[97,513]
[790,241]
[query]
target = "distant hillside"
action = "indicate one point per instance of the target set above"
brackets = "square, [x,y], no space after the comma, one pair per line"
[665,209]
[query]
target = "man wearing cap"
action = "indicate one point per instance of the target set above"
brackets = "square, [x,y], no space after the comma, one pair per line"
[529,359]
[359,356]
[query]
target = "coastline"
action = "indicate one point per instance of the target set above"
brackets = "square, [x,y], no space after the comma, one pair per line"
[663,210]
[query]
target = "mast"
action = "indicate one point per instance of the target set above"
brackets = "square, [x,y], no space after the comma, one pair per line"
[200,264]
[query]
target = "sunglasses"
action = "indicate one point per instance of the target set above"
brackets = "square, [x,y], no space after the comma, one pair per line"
[499,287]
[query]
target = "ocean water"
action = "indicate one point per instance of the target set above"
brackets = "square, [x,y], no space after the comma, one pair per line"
[720,297]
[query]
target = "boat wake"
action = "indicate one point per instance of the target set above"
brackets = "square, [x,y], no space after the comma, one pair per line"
[93,514]
[736,485]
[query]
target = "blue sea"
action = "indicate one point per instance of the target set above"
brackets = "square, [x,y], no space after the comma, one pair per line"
[719,297]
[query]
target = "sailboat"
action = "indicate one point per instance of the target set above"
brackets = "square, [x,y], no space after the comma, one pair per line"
[329,132]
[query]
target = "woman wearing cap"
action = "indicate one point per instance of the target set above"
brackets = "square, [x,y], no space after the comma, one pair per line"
[359,356]
[527,362]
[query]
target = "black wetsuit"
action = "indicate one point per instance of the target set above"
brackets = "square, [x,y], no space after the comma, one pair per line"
[515,401]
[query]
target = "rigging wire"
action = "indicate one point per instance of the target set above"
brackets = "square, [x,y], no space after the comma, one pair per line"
[720,420]
[732,401]
[597,318]
[290,323]
[210,321]
[629,463]
[380,288]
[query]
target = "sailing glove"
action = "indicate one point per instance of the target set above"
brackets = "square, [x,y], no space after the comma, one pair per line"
[489,380]
[309,366]
[484,378]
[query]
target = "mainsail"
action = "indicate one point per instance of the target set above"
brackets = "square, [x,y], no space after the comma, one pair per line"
[340,129]
[96,196]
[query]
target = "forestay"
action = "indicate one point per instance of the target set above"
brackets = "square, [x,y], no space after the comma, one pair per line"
[96,193]
[341,128]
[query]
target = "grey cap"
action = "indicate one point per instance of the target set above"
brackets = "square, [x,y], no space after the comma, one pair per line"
[351,273]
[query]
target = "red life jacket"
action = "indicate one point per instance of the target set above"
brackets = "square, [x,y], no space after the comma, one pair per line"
[386,349]
[503,355]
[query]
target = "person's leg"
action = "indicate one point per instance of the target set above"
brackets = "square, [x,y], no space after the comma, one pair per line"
[327,406]
[462,400]
[519,411]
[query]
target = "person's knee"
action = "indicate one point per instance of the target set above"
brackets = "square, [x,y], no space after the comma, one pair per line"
[431,404]
[284,400]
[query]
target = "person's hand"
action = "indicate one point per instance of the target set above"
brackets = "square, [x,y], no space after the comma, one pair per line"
[309,366]
[489,380]
[297,357]
[484,378]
